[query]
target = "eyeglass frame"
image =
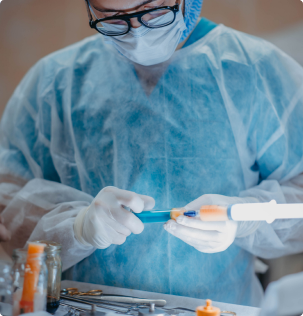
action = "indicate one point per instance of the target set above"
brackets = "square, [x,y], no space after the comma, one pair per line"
[126,17]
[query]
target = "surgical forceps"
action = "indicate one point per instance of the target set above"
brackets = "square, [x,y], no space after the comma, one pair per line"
[98,296]
[74,291]
[126,309]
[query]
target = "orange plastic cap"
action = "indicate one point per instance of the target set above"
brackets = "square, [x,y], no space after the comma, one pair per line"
[176,212]
[208,310]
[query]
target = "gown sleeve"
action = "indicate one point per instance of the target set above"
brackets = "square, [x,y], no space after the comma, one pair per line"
[274,132]
[33,202]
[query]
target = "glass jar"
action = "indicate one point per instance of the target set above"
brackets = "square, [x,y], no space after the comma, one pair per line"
[6,289]
[19,269]
[54,266]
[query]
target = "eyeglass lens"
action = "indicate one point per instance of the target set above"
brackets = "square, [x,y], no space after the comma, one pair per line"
[157,18]
[112,27]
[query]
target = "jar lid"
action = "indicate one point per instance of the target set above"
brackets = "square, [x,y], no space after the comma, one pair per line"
[51,246]
[208,310]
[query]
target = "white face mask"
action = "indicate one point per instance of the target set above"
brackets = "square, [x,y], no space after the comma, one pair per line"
[147,46]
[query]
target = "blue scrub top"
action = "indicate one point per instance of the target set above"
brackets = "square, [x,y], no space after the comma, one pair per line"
[169,171]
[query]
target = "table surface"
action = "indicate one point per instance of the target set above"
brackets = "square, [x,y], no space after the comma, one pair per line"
[173,301]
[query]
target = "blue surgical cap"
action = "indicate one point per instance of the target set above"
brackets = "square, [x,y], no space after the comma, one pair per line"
[192,13]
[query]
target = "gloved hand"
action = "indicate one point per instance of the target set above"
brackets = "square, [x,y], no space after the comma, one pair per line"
[106,222]
[210,237]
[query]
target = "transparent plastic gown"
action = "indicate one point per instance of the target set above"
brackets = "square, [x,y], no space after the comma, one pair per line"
[225,117]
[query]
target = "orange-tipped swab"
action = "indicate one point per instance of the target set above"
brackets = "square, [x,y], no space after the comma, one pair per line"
[31,276]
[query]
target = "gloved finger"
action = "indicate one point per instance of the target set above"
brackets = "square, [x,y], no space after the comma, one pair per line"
[115,232]
[113,237]
[206,247]
[201,245]
[136,202]
[119,239]
[128,198]
[5,234]
[206,199]
[113,212]
[198,224]
[212,249]
[149,202]
[192,235]
[209,199]
[119,214]
[128,219]
[118,226]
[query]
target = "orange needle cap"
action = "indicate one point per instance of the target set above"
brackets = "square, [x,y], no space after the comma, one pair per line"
[208,310]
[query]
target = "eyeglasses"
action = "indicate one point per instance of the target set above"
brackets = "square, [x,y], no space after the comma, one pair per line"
[120,25]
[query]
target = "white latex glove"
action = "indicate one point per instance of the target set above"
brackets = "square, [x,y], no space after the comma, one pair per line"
[210,237]
[106,222]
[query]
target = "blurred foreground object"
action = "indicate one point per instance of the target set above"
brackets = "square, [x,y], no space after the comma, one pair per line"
[6,289]
[30,281]
[54,268]
[284,297]
[5,234]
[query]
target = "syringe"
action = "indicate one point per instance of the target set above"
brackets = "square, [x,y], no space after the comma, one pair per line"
[162,216]
[237,212]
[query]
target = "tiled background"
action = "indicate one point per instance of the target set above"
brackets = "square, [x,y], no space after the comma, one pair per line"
[30,29]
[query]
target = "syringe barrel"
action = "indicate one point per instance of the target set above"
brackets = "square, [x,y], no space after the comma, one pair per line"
[248,212]
[213,213]
[266,211]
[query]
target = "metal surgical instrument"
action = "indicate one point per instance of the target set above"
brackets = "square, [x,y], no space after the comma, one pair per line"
[105,306]
[122,309]
[74,311]
[98,295]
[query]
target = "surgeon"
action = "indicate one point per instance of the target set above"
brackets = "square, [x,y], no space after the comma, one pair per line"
[158,109]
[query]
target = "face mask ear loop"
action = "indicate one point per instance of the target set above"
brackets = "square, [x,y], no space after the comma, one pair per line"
[182,2]
[91,9]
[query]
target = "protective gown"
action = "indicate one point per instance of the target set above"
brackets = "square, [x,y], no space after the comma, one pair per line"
[225,117]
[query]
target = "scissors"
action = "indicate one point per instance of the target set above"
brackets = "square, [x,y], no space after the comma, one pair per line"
[74,291]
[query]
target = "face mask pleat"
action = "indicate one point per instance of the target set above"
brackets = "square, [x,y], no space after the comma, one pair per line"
[149,46]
